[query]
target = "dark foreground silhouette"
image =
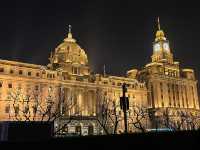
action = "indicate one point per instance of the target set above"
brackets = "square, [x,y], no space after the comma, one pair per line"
[35,133]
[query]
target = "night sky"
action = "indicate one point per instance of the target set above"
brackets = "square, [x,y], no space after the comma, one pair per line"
[118,34]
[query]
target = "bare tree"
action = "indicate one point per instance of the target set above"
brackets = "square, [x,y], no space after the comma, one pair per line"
[108,115]
[48,109]
[180,120]
[138,117]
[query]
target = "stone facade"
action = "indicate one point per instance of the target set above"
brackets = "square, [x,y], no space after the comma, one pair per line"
[161,84]
[67,77]
[170,86]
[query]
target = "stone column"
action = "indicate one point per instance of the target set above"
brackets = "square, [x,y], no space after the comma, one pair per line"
[196,96]
[155,94]
[165,94]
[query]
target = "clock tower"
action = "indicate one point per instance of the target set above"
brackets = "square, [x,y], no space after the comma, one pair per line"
[161,49]
[170,85]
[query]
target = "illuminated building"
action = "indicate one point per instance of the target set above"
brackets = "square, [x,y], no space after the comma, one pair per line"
[170,86]
[68,73]
[161,84]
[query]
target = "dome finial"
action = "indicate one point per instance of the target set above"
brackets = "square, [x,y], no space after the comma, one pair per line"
[70,28]
[158,23]
[69,31]
[69,35]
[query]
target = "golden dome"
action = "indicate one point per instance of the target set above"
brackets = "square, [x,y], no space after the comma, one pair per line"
[70,52]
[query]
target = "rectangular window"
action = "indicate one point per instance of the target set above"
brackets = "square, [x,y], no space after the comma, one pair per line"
[105,82]
[37,74]
[75,70]
[1,84]
[11,71]
[36,87]
[29,73]
[7,109]
[10,85]
[20,72]
[1,69]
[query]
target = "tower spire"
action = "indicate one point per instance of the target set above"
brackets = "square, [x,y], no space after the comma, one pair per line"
[159,34]
[158,23]
[104,70]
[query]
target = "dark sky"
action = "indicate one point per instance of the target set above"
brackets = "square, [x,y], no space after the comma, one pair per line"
[116,33]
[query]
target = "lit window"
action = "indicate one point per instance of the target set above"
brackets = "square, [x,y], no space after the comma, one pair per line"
[166,72]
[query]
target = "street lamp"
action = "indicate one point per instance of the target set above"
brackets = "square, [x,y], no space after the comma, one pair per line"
[124,105]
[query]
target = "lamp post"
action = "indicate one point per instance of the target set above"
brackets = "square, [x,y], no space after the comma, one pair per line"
[124,104]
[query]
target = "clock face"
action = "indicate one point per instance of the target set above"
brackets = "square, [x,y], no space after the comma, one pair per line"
[156,47]
[166,46]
